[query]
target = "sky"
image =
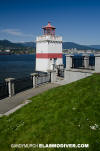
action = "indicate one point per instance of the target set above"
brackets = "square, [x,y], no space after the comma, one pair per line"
[75,20]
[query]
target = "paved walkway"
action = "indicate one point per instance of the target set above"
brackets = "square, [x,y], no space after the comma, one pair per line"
[12,102]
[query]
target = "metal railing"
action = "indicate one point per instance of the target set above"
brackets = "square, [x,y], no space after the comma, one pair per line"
[3,90]
[43,79]
[61,73]
[23,84]
[92,60]
[78,62]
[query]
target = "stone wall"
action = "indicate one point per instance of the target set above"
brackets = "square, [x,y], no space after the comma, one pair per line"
[75,74]
[97,63]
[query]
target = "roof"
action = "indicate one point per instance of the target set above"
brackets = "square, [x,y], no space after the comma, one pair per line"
[49,26]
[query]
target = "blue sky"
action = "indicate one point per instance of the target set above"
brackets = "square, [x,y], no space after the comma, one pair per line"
[76,20]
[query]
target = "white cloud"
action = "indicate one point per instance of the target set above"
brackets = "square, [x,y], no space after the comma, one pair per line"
[15,32]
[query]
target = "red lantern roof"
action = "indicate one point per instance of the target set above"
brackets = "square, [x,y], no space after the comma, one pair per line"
[49,26]
[49,29]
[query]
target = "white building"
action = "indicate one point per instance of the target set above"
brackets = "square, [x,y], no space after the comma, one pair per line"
[48,49]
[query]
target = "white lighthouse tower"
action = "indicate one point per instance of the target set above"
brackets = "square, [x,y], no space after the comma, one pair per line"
[48,49]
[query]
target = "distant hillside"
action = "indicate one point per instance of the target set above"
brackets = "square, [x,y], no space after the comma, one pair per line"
[95,46]
[6,43]
[66,45]
[28,44]
[70,45]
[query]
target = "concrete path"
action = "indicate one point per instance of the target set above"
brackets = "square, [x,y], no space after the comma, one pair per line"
[12,102]
[61,81]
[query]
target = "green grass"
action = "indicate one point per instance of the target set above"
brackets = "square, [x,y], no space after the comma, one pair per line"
[62,115]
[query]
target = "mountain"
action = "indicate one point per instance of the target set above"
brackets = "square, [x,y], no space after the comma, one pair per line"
[95,46]
[66,45]
[70,45]
[28,44]
[6,43]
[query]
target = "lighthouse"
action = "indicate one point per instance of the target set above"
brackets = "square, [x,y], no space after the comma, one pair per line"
[48,49]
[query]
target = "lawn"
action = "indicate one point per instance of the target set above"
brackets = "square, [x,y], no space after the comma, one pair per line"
[68,114]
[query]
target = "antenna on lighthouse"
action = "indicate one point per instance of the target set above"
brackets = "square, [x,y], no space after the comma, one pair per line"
[49,22]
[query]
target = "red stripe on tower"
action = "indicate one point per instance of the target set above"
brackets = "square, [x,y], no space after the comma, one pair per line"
[49,55]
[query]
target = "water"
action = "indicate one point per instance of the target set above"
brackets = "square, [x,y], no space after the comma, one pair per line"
[16,66]
[19,66]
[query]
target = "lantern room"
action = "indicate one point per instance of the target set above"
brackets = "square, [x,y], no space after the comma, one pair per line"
[49,29]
